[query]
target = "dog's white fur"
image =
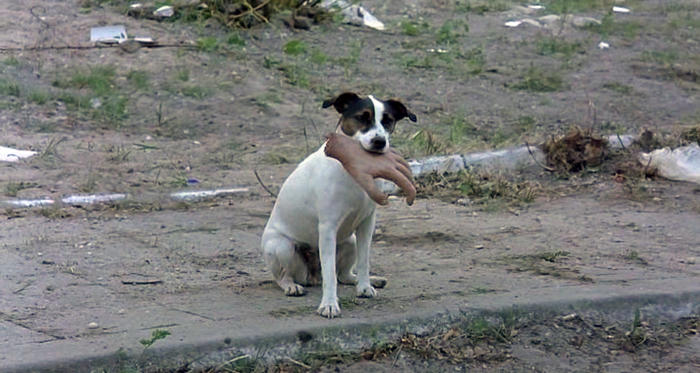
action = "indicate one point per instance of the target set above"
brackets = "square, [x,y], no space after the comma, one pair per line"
[320,205]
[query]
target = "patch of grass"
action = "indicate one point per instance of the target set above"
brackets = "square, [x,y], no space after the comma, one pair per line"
[659,57]
[89,184]
[38,97]
[482,188]
[318,57]
[410,28]
[349,62]
[448,34]
[481,6]
[13,188]
[416,62]
[208,44]
[100,80]
[139,79]
[113,110]
[295,47]
[619,87]
[475,60]
[575,6]
[609,27]
[296,75]
[183,75]
[459,128]
[557,46]
[54,211]
[537,79]
[236,39]
[11,60]
[8,88]
[196,91]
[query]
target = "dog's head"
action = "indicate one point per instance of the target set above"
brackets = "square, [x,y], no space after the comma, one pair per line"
[368,120]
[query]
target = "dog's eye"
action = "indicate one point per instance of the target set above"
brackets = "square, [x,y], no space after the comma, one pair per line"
[387,121]
[364,117]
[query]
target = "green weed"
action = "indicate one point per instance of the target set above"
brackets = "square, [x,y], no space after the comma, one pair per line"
[447,33]
[236,39]
[556,46]
[38,97]
[8,88]
[619,87]
[208,44]
[295,47]
[318,57]
[539,80]
[197,91]
[659,57]
[100,80]
[183,75]
[13,188]
[410,28]
[11,61]
[156,335]
[481,7]
[139,79]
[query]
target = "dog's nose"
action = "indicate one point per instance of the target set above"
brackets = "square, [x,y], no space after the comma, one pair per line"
[378,143]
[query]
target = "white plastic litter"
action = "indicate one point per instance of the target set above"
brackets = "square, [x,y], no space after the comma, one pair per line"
[603,45]
[164,11]
[14,155]
[536,7]
[188,196]
[94,198]
[108,34]
[513,23]
[354,14]
[682,164]
[507,159]
[28,202]
[619,9]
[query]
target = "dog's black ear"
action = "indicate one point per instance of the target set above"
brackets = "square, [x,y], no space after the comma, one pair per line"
[400,111]
[342,102]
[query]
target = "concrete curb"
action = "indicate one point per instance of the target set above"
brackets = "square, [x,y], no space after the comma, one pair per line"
[215,348]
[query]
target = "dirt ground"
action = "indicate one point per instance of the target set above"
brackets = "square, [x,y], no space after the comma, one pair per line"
[227,103]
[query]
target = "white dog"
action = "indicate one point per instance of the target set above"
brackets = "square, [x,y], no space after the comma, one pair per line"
[323,220]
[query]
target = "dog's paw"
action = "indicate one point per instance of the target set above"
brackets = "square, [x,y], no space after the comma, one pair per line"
[294,290]
[366,292]
[378,282]
[329,310]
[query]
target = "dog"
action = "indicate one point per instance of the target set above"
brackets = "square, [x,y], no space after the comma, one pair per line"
[322,222]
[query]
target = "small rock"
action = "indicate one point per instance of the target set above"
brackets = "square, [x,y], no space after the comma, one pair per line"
[463,202]
[93,325]
[478,247]
[121,312]
[95,103]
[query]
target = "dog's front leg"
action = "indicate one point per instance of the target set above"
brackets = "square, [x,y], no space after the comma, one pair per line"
[327,250]
[364,239]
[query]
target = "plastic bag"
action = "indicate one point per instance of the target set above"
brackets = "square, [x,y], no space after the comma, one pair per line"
[682,164]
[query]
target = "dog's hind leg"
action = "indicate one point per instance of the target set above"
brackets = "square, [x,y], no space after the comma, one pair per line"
[345,261]
[285,263]
[347,256]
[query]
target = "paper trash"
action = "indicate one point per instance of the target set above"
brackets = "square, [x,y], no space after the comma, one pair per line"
[14,155]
